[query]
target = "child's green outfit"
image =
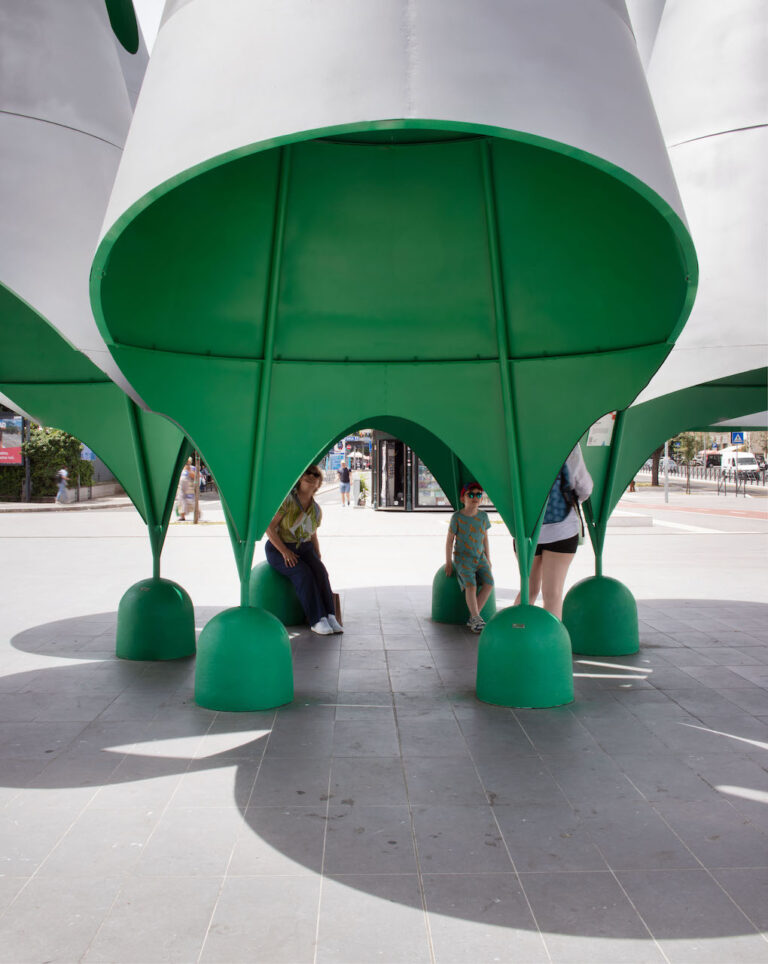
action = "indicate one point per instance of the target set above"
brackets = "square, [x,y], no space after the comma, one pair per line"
[469,558]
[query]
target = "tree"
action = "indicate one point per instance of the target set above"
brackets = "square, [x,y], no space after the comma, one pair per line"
[655,465]
[49,450]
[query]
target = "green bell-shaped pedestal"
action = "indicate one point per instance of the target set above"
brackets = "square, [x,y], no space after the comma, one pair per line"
[448,603]
[155,620]
[600,615]
[524,660]
[269,590]
[243,662]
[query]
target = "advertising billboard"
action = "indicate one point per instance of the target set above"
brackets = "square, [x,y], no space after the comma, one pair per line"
[10,440]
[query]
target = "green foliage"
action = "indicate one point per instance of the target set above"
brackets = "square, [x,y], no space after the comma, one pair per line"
[687,447]
[49,450]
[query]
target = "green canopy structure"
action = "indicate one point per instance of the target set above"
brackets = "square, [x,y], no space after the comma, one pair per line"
[53,381]
[278,267]
[600,613]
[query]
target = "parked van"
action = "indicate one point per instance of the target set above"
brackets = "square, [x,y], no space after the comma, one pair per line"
[735,463]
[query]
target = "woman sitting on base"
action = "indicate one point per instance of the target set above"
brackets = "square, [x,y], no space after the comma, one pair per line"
[559,536]
[294,551]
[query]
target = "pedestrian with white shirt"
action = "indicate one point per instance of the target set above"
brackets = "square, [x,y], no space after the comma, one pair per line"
[559,535]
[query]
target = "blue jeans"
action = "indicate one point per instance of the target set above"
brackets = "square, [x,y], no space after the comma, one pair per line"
[309,577]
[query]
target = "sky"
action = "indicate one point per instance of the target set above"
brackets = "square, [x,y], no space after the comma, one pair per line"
[149,13]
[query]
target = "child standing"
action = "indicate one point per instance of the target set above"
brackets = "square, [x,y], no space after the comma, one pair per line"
[468,543]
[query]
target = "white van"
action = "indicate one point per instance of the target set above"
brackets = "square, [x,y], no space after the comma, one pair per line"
[737,463]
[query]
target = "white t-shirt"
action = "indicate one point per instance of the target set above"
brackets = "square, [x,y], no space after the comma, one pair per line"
[581,481]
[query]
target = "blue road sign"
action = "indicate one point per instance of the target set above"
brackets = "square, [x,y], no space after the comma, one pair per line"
[737,438]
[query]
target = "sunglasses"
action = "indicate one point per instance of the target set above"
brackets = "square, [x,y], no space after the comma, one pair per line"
[313,475]
[474,495]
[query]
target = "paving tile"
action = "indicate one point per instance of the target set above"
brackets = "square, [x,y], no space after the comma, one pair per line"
[459,839]
[417,706]
[425,738]
[361,782]
[191,842]
[555,731]
[692,919]
[753,699]
[154,924]
[365,707]
[369,840]
[479,918]
[717,835]
[635,837]
[9,888]
[547,837]
[524,780]
[72,911]
[264,919]
[292,781]
[278,840]
[101,843]
[661,778]
[138,782]
[443,780]
[749,889]
[365,739]
[302,736]
[210,785]
[496,740]
[362,679]
[27,836]
[365,920]
[587,917]
[590,778]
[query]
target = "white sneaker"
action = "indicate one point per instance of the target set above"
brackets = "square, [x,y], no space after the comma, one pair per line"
[322,627]
[334,623]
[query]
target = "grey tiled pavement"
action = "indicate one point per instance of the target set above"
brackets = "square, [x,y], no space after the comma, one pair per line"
[386,815]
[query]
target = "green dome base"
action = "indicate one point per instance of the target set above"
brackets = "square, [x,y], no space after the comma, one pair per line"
[269,590]
[600,615]
[524,660]
[243,662]
[448,603]
[155,620]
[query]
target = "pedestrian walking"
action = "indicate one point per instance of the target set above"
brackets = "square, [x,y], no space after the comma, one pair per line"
[61,487]
[344,482]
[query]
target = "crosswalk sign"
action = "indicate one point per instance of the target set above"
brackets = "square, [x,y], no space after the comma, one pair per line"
[737,438]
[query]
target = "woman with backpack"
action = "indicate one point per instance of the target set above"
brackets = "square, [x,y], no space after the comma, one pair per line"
[559,536]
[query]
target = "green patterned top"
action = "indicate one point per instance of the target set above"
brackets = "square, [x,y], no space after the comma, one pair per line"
[470,532]
[298,524]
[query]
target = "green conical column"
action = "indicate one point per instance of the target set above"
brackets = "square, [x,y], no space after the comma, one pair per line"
[43,374]
[600,613]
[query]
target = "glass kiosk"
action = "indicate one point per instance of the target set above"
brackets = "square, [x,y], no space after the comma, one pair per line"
[400,480]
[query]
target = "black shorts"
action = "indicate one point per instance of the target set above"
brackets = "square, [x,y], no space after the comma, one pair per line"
[565,546]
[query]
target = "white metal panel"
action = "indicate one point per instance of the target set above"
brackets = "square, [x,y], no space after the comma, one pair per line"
[758,421]
[708,76]
[229,73]
[134,66]
[709,69]
[64,112]
[645,16]
[58,63]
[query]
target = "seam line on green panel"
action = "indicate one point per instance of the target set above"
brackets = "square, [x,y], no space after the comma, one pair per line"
[483,359]
[269,334]
[499,305]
